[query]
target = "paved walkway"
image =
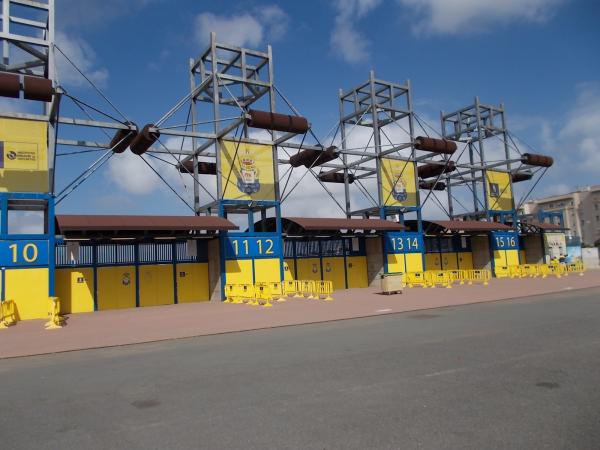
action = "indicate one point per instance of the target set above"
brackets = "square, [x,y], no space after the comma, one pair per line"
[123,327]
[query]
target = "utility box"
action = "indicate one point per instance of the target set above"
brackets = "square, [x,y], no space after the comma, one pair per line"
[392,283]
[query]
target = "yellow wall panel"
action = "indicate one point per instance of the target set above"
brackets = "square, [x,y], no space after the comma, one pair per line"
[75,289]
[333,270]
[289,269]
[512,257]
[449,261]
[309,269]
[24,156]
[29,290]
[499,192]
[266,270]
[357,272]
[414,262]
[156,285]
[116,287]
[465,261]
[238,271]
[433,261]
[192,282]
[396,263]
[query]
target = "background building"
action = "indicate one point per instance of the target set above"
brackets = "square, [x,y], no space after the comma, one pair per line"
[580,210]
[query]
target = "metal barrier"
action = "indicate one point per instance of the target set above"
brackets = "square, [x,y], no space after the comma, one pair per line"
[438,277]
[277,291]
[307,288]
[55,320]
[456,276]
[502,271]
[8,314]
[292,288]
[263,296]
[577,267]
[416,279]
[240,293]
[482,276]
[324,288]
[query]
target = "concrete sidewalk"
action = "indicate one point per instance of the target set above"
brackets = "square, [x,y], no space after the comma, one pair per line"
[132,326]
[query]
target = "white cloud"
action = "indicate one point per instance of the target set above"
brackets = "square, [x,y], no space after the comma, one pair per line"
[465,16]
[346,40]
[83,56]
[245,29]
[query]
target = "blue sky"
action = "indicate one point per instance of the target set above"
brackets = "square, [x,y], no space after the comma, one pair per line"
[539,57]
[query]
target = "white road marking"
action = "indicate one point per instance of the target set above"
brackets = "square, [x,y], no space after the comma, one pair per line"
[383,310]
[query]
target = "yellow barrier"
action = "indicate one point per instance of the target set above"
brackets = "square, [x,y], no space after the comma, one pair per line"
[438,277]
[502,271]
[55,321]
[515,271]
[307,288]
[324,288]
[292,288]
[456,276]
[416,279]
[277,291]
[263,295]
[577,267]
[240,293]
[8,314]
[478,276]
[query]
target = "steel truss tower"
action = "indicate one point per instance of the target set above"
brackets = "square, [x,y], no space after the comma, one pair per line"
[482,129]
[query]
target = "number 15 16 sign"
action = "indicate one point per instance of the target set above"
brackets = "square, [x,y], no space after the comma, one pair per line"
[23,253]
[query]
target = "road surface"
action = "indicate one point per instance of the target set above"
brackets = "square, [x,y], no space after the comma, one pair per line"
[514,374]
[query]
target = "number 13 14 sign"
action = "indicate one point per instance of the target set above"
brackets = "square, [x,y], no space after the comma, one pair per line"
[23,253]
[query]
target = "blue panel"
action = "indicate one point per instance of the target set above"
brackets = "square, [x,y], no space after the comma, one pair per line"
[504,240]
[24,253]
[252,246]
[403,242]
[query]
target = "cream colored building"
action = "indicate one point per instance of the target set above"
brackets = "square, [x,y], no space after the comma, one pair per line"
[581,211]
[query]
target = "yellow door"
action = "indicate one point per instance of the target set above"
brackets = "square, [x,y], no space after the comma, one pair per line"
[512,257]
[414,262]
[289,267]
[309,269]
[75,289]
[238,271]
[396,263]
[267,270]
[116,287]
[28,288]
[156,285]
[449,261]
[357,272]
[465,261]
[333,270]
[433,261]
[192,283]
[500,263]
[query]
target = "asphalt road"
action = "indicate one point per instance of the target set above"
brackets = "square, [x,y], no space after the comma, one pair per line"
[521,374]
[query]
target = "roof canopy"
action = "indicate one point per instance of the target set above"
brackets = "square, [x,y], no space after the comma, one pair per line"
[536,227]
[98,226]
[327,226]
[457,226]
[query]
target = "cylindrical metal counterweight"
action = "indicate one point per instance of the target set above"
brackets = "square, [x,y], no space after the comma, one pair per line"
[10,85]
[204,168]
[432,186]
[532,159]
[37,88]
[123,139]
[144,140]
[313,158]
[435,145]
[517,177]
[336,177]
[434,170]
[277,122]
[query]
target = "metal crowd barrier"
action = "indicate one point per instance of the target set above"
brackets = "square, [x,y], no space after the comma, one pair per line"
[8,314]
[264,293]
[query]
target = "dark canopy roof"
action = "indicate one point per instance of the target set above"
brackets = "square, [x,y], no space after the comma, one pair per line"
[535,227]
[327,226]
[456,226]
[138,226]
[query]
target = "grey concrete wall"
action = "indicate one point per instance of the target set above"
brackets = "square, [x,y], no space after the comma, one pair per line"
[481,252]
[214,270]
[534,249]
[374,248]
[591,259]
